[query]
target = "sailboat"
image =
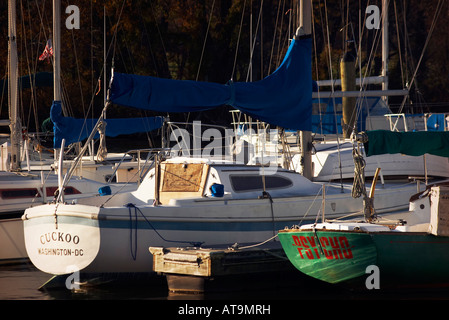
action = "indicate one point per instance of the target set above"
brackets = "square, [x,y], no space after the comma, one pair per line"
[20,189]
[409,249]
[332,159]
[188,201]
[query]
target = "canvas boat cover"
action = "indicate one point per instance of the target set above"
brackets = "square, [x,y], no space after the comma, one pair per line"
[283,98]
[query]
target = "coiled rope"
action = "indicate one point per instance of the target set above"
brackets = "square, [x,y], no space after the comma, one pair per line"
[358,187]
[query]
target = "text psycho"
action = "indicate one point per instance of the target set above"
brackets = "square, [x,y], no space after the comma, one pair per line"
[329,247]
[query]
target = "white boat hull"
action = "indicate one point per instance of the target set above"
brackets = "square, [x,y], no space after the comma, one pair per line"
[117,239]
[12,249]
[19,192]
[332,164]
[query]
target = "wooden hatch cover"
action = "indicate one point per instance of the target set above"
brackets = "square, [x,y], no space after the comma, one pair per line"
[182,180]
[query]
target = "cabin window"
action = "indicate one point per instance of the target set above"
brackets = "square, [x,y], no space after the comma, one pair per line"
[67,190]
[19,193]
[33,192]
[242,183]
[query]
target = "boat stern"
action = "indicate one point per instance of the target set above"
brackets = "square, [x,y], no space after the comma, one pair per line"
[330,256]
[61,239]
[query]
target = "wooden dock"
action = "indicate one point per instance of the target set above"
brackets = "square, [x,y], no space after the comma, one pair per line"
[209,270]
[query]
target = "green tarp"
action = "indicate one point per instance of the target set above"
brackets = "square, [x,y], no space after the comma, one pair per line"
[408,143]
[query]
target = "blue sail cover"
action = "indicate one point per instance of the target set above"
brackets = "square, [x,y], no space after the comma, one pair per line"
[283,98]
[74,130]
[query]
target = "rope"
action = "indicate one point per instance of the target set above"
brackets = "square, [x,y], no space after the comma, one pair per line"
[133,252]
[134,248]
[358,187]
[266,195]
[236,246]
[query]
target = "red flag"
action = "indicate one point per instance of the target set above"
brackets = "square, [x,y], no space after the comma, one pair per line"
[48,51]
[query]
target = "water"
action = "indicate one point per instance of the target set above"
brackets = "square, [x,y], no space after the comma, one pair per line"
[22,282]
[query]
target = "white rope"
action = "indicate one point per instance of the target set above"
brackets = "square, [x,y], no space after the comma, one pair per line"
[358,187]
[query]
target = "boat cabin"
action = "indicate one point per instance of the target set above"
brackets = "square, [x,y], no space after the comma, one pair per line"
[181,178]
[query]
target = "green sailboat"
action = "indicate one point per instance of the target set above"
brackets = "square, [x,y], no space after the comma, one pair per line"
[404,249]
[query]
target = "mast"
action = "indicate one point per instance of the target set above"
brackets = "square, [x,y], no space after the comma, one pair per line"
[56,51]
[14,119]
[347,70]
[305,28]
[385,47]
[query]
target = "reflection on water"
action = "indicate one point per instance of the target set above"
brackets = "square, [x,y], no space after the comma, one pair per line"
[22,282]
[25,282]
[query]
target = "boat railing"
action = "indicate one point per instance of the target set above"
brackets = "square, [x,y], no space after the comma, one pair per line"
[186,138]
[143,165]
[418,122]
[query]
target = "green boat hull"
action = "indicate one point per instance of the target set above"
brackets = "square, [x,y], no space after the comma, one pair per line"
[402,259]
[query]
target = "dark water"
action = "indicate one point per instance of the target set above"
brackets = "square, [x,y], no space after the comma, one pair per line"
[22,282]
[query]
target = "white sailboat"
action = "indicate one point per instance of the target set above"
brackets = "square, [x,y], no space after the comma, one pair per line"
[332,154]
[189,201]
[22,189]
[176,205]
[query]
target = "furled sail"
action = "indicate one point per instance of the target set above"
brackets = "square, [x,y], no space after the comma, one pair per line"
[408,143]
[74,130]
[283,98]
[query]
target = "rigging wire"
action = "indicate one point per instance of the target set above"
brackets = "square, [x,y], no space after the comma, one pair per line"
[253,45]
[369,64]
[203,49]
[399,43]
[205,40]
[333,97]
[274,37]
[432,27]
[238,41]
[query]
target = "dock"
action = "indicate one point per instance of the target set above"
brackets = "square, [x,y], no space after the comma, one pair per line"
[198,270]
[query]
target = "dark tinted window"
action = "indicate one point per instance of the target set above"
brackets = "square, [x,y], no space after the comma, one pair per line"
[19,193]
[254,182]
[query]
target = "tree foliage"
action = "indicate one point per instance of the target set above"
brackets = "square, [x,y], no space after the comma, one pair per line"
[211,40]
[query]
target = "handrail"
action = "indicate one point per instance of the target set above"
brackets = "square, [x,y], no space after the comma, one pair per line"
[151,153]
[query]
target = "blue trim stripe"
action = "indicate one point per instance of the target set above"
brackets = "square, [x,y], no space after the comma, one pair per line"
[197,226]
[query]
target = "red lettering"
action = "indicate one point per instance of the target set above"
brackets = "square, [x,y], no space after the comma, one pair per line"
[343,242]
[309,254]
[348,253]
[339,256]
[324,242]
[328,254]
[300,252]
[334,242]
[296,241]
[303,241]
[332,247]
[311,241]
